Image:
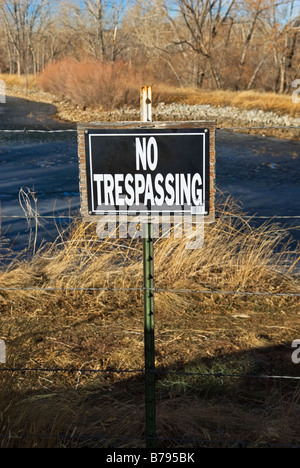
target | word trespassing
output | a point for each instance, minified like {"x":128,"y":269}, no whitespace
{"x":146,"y":189}
{"x":137,"y":189}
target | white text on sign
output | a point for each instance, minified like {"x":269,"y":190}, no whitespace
{"x":148,"y":189}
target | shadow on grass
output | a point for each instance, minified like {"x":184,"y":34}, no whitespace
{"x":240,"y":399}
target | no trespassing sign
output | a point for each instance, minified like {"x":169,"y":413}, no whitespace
{"x":146,"y":170}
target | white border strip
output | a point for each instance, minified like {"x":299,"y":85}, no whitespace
{"x":103,"y":212}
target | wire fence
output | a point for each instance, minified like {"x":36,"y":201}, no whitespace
{"x":73,"y":130}
{"x":156,"y":290}
{"x":86,"y":438}
{"x":144,"y":371}
{"x":77,"y":217}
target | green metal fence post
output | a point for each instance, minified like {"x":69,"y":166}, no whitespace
{"x":148,"y":259}
{"x":149,"y":337}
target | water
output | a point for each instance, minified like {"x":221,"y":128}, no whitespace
{"x":263,"y":174}
{"x":47,"y":165}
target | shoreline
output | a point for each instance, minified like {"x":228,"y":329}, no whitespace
{"x":226,"y":117}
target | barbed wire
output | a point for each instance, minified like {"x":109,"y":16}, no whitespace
{"x":267,"y":217}
{"x":243,"y":293}
{"x":40,"y":217}
{"x":72,"y":370}
{"x":73,"y":130}
{"x":79,"y":216}
{"x":157,"y":290}
{"x":145,"y":371}
{"x":28,"y":131}
{"x":262,"y":127}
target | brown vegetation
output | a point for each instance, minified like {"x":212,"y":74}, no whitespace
{"x":220,"y":44}
{"x":202,"y":333}
{"x":91,"y":55}
{"x":91,"y":83}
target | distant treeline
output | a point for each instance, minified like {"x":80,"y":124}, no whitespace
{"x":216,"y":44}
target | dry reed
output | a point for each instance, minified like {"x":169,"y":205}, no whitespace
{"x":104,"y":330}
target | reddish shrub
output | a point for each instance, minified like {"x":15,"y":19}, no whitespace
{"x":91,"y":83}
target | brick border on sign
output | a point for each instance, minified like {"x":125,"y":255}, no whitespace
{"x":199,"y":124}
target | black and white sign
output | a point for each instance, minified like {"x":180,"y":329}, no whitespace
{"x":147,"y":170}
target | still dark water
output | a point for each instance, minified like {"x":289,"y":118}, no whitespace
{"x":261,"y":173}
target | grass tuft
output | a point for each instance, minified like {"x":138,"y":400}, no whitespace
{"x":223,"y":339}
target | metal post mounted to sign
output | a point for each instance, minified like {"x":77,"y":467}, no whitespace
{"x":146,"y":104}
{"x":148,"y":259}
{"x":153,"y":168}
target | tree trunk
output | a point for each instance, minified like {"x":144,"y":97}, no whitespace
{"x":255,"y":74}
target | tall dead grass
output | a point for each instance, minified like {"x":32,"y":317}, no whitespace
{"x":235,"y":256}
{"x":19,"y":80}
{"x":85,"y":329}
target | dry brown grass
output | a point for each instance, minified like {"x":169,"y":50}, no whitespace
{"x":19,"y":81}
{"x":246,"y":100}
{"x":81,"y":90}
{"x":202,"y":333}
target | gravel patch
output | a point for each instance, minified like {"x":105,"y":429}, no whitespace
{"x":225,"y":117}
{"x":251,"y":117}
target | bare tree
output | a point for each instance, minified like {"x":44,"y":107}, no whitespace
{"x":254,"y":12}
{"x":282,"y":30}
{"x":236,"y":44}
{"x":198,"y":25}
{"x":23,"y":21}
{"x":149,"y":38}
{"x":98,"y":22}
